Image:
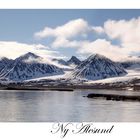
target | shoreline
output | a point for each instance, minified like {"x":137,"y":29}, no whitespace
{"x":70,"y":87}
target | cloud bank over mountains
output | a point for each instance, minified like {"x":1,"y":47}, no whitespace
{"x":125,"y":31}
{"x":116,"y":39}
{"x":13,"y":49}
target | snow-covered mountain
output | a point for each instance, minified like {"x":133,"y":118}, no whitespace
{"x":29,"y":66}
{"x":98,"y":67}
{"x":74,"y":61}
{"x":130,"y":64}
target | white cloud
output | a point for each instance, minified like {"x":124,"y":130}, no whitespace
{"x":100,"y":46}
{"x":65,"y":43}
{"x":64,"y":33}
{"x":103,"y":47}
{"x":68,"y":30}
{"x":98,"y":29}
{"x":106,"y":48}
{"x":13,"y":49}
{"x":128,"y":31}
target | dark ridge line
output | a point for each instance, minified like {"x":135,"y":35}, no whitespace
{"x":36,"y":88}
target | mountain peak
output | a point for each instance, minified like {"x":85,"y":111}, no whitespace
{"x":30,"y":54}
{"x":4,"y":59}
{"x":74,"y":57}
{"x":97,"y":56}
{"x":74,"y":60}
{"x":27,"y":56}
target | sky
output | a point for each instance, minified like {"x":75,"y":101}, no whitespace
{"x":63,"y":33}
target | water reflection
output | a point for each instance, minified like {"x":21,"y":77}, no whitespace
{"x":65,"y":106}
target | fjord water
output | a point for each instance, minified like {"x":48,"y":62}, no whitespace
{"x":52,"y":106}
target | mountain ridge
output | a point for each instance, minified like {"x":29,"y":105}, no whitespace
{"x":94,"y":67}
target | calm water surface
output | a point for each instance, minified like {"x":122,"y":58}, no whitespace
{"x":50,"y":106}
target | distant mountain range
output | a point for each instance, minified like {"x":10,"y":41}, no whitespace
{"x":74,"y":61}
{"x":60,"y":61}
{"x":31,"y":66}
{"x":130,"y":64}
